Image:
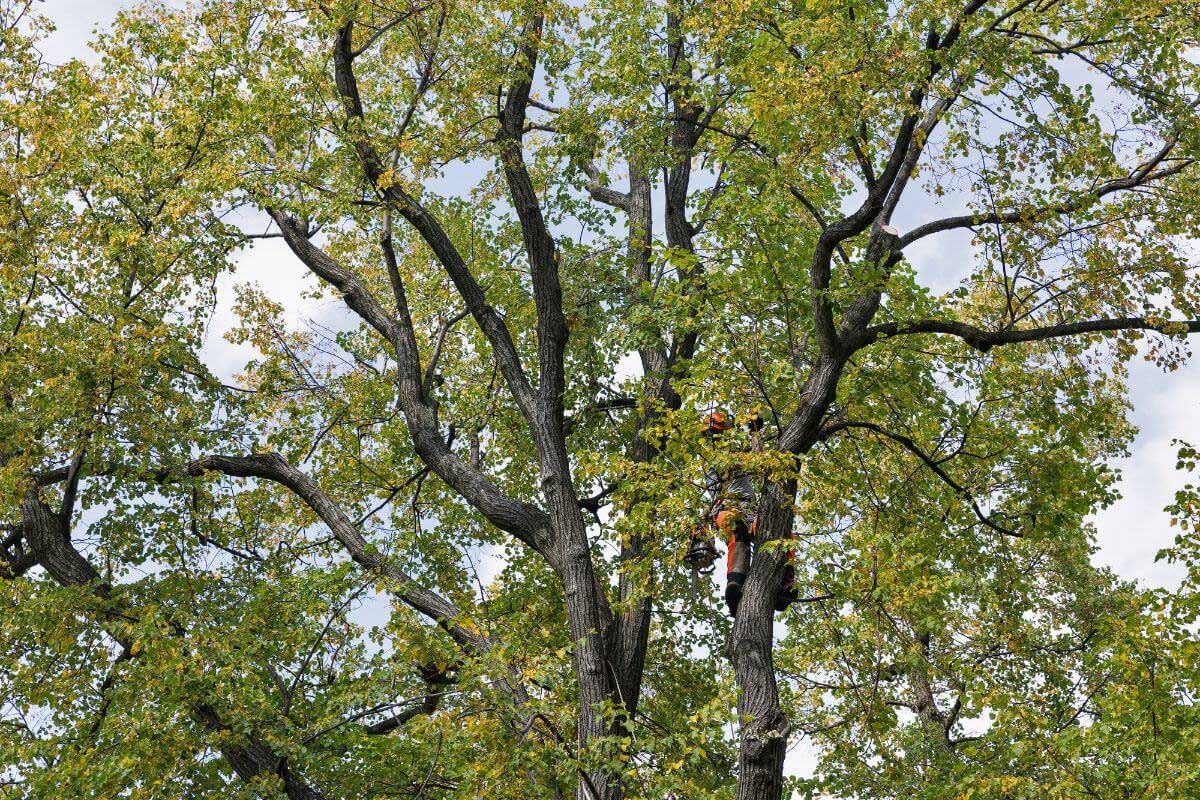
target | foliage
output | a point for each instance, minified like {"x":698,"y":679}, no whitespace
{"x":549,"y":236}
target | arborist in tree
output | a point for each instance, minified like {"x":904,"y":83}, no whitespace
{"x":733,"y":511}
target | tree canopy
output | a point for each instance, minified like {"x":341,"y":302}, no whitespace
{"x":430,"y":544}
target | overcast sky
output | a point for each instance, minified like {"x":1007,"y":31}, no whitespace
{"x":1165,"y":405}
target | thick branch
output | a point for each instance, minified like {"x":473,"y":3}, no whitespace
{"x":885,"y":192}
{"x":523,"y":520}
{"x":539,"y":244}
{"x":984,"y":340}
{"x":599,"y":191}
{"x":273,"y":467}
{"x":426,"y":225}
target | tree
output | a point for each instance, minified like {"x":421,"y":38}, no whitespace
{"x":553,"y":236}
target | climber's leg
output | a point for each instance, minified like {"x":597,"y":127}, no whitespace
{"x":738,"y":536}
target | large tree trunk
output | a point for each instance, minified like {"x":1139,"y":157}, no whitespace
{"x":589,"y":616}
{"x":765,"y":726}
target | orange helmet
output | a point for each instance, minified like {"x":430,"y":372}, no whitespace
{"x":717,"y":422}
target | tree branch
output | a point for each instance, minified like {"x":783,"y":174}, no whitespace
{"x":426,"y":225}
{"x":525,"y":521}
{"x":1140,"y":177}
{"x":539,"y":244}
{"x":601,"y":192}
{"x":929,"y":462}
{"x":984,"y":340}
{"x":273,"y":467}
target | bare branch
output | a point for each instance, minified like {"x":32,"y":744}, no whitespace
{"x":984,"y":340}
{"x":273,"y":467}
{"x":438,"y":342}
{"x":931,"y":463}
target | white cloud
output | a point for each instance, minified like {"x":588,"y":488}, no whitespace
{"x":1135,"y":528}
{"x":76,"y":22}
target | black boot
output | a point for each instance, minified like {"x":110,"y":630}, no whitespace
{"x":733,"y":591}
{"x":787,"y":590}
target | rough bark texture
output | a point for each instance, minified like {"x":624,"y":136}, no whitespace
{"x":765,"y":727}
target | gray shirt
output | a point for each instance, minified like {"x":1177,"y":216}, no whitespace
{"x":732,"y":489}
